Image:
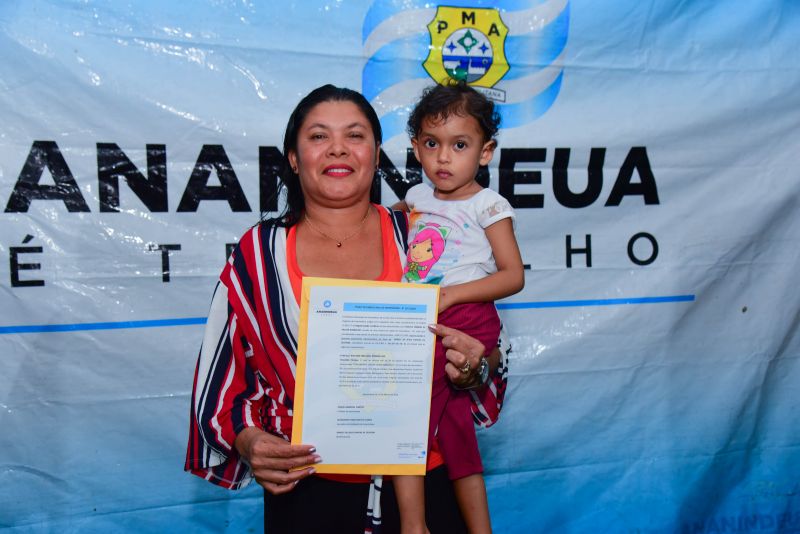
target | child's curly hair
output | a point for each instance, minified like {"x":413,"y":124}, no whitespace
{"x":438,"y":102}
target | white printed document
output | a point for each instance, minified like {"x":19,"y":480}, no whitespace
{"x":364,"y":369}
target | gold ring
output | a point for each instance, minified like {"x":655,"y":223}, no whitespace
{"x":465,"y":369}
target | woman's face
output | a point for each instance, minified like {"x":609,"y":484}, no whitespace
{"x":336,"y":155}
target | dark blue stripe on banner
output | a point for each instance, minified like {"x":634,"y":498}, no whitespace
{"x":39,"y":328}
{"x":593,"y":302}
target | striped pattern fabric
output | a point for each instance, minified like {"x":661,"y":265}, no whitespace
{"x":245,"y":373}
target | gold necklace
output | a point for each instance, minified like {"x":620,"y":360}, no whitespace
{"x":339,"y":241}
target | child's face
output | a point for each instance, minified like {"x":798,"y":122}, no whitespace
{"x":451,"y":151}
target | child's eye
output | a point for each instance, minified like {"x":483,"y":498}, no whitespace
{"x":430,"y":143}
{"x":460,"y":145}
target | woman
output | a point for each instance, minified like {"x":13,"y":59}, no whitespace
{"x":244,"y":382}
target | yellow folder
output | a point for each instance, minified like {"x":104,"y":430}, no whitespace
{"x":417,"y":468}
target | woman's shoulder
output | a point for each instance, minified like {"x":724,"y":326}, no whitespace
{"x":262,"y":236}
{"x":268,"y":224}
{"x":395,"y":217}
{"x":388,"y":211}
{"x":394,"y":222}
{"x":258,"y":228}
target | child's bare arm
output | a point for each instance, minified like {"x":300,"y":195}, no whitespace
{"x":509,"y":278}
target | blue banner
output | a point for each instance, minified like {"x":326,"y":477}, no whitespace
{"x":650,"y":150}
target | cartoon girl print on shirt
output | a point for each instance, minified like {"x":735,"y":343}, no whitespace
{"x":424,"y":251}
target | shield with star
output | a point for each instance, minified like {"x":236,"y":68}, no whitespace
{"x":467,"y":44}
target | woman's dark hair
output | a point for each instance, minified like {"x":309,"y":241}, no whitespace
{"x":295,"y":202}
{"x":438,"y":102}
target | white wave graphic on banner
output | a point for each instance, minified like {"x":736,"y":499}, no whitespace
{"x":531,"y":34}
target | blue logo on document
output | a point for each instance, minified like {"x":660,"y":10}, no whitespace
{"x":327,"y":304}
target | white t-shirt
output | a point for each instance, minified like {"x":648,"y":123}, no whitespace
{"x":447,"y":243}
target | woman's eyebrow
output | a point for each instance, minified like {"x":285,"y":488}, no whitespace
{"x":328,"y":127}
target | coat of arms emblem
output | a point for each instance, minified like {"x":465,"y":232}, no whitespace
{"x":467,"y":44}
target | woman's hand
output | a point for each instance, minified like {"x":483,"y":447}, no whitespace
{"x":271,"y":459}
{"x":463,"y":353}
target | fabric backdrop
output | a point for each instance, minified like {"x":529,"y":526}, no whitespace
{"x":650,"y":149}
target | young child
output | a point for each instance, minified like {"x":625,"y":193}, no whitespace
{"x":461,"y":237}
